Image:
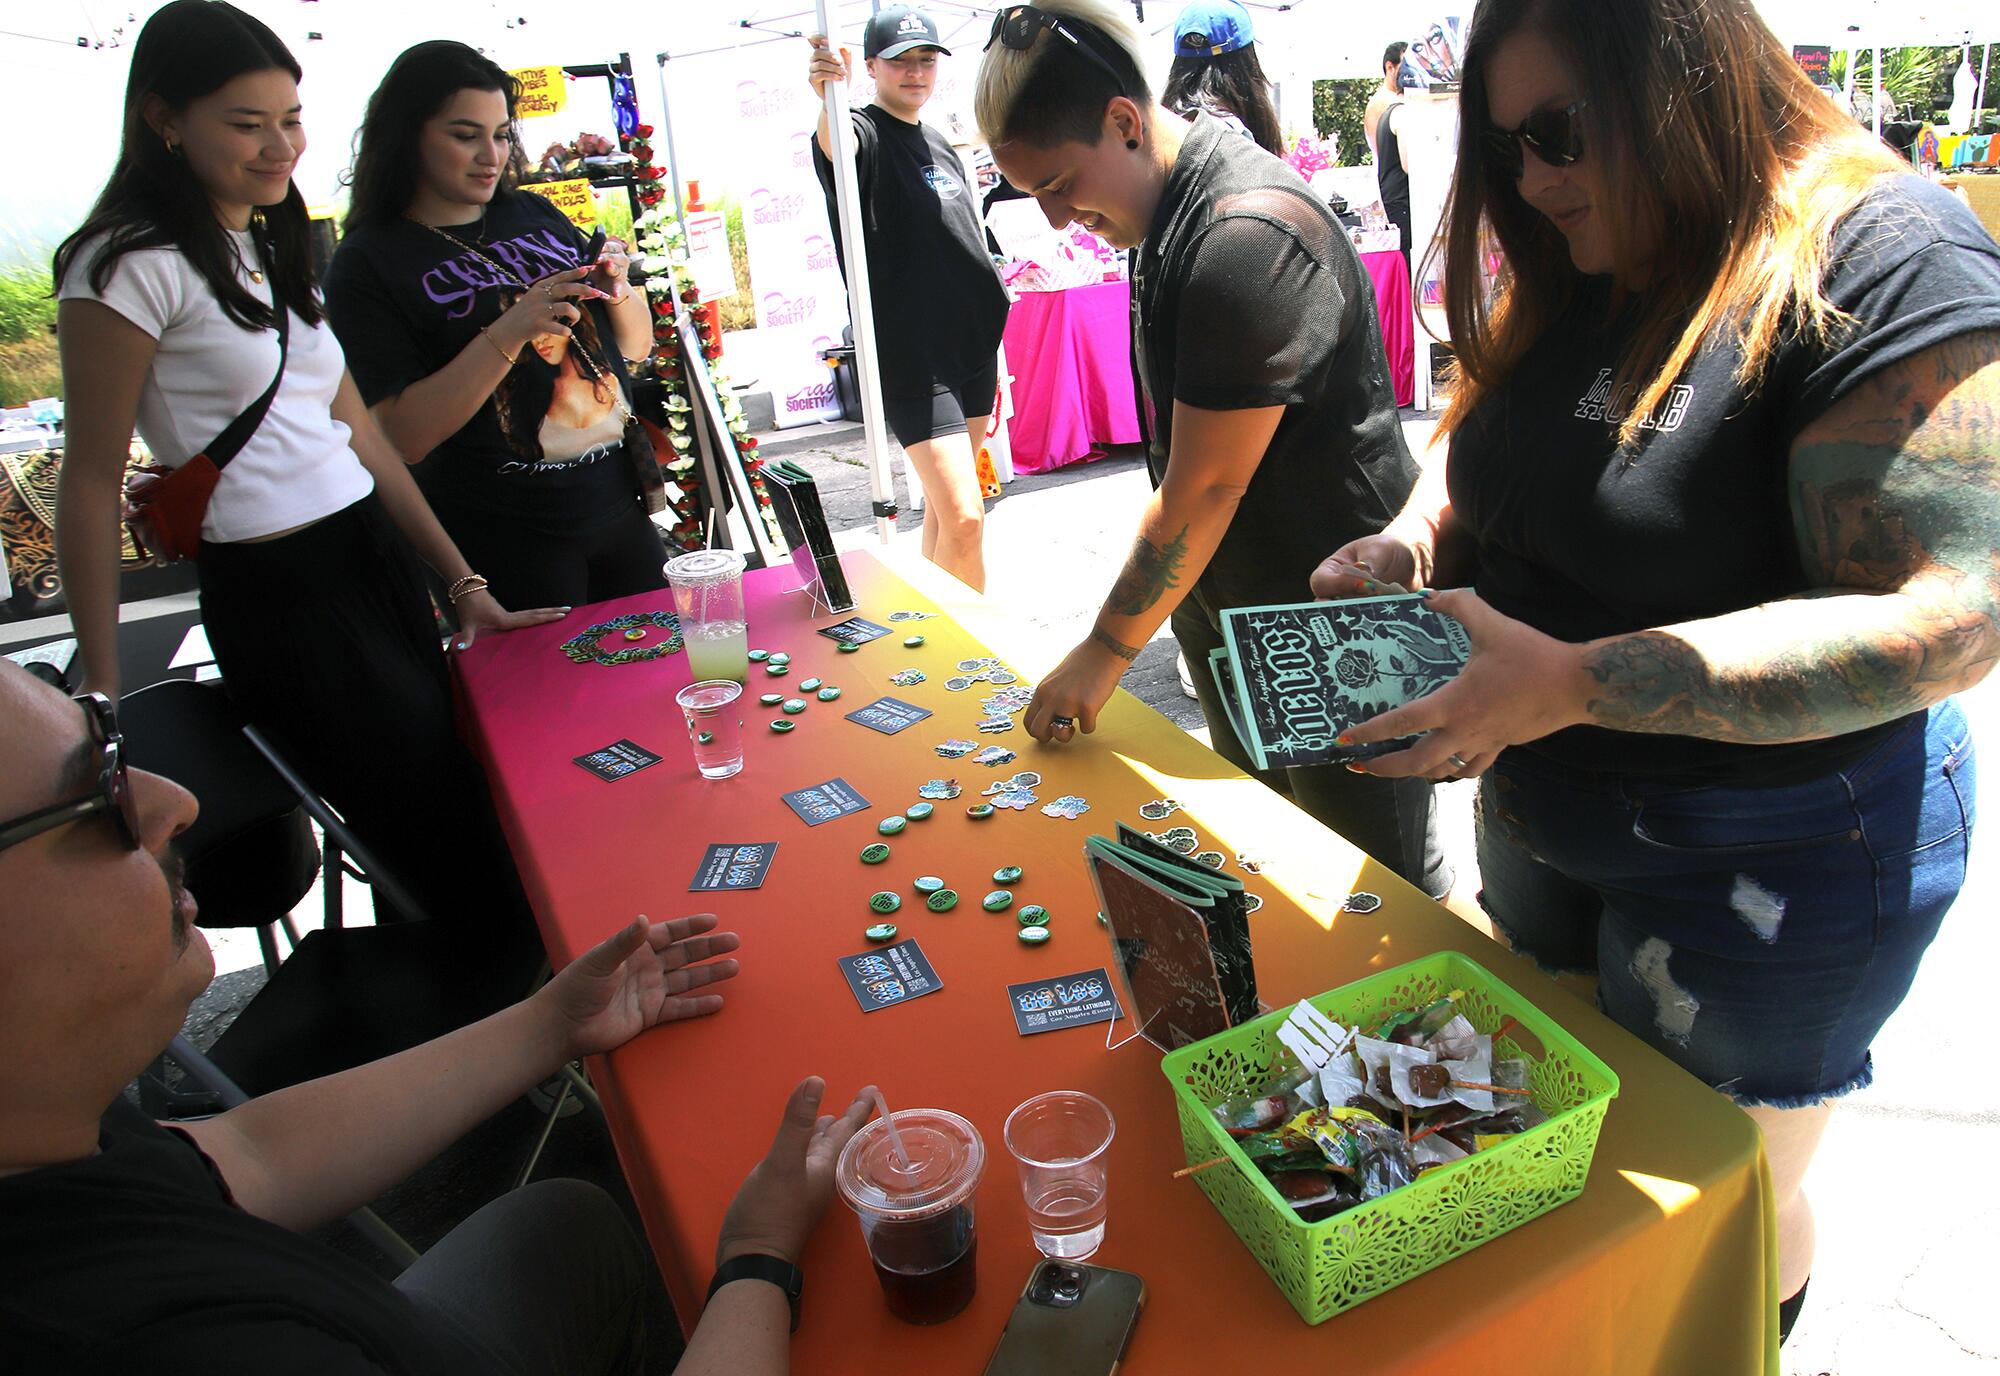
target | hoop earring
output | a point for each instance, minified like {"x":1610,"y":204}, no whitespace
{"x":173,"y":149}
{"x":1132,"y":144}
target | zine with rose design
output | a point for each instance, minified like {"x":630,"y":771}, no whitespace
{"x":1295,"y":677}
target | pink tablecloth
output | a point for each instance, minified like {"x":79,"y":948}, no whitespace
{"x":1070,"y":354}
{"x":1392,"y":303}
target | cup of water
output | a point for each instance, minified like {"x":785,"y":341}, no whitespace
{"x":1059,"y":1142}
{"x":715,"y":726}
{"x":708,"y":598}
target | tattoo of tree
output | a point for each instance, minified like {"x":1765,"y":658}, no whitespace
{"x":1149,"y":571}
{"x":1113,"y":644}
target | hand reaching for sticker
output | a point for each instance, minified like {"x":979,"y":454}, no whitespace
{"x":1070,"y":698}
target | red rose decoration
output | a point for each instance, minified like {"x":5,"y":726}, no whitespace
{"x":642,"y":131}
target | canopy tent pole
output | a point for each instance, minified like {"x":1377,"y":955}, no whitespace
{"x":847,"y":197}
{"x":1876,"y":99}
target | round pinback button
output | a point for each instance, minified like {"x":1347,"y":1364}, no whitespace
{"x":1033,"y":915}
{"x":783,"y":724}
{"x":889,"y":826}
{"x":1032,"y":936}
{"x":828,"y":694}
{"x":943,"y":901}
{"x":885,"y":901}
{"x":874,"y":853}
{"x":919,"y":812}
{"x":776,"y":670}
{"x":780,"y":657}
{"x":881,"y":931}
{"x":998,"y":901}
{"x":807,"y":685}
{"x":771,"y":699}
{"x":911,"y":642}
{"x":847,"y":647}
{"x":794,"y":706}
{"x":757,"y":656}
{"x":1007,"y":874}
{"x":927,"y":883}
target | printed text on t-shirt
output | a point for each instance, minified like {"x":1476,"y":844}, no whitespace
{"x":1600,"y":404}
{"x":456,"y":282}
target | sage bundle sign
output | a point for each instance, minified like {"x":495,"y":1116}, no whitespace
{"x":1295,"y":677}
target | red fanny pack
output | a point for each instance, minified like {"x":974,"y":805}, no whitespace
{"x":165,"y":513}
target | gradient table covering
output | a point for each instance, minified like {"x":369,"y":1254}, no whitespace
{"x":1391,"y":276}
{"x":1071,"y":355}
{"x":1665,"y":1264}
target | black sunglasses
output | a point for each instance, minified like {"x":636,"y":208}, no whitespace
{"x":1554,"y":136}
{"x":1015,"y":27}
{"x":112,"y":794}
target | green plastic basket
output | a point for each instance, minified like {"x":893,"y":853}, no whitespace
{"x":1327,"y":1267}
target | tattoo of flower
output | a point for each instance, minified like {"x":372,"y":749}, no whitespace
{"x":1149,"y":571}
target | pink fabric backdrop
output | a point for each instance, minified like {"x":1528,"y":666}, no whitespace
{"x":1392,"y":303}
{"x":1070,"y":354}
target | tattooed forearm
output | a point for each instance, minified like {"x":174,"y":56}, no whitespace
{"x":1112,"y":643}
{"x":1149,"y":571}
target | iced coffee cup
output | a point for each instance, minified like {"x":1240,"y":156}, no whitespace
{"x":917,"y":1218}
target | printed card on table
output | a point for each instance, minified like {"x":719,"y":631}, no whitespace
{"x":825,"y":802}
{"x":1043,"y":1005}
{"x":617,"y":760}
{"x":889,"y":715}
{"x":889,"y":975}
{"x":734,"y":865}
{"x":856,"y":630}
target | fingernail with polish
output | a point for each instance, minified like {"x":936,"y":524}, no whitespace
{"x":1342,"y":741}
{"x":1356,"y":769}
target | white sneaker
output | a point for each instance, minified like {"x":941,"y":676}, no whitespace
{"x":1187,"y":679}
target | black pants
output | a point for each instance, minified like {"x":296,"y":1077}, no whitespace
{"x":525,"y":568}
{"x":1393,"y":820}
{"x":548,"y":1275}
{"x":327,"y":642}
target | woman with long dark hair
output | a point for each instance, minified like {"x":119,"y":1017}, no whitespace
{"x":485,"y":345}
{"x":1721,"y":482}
{"x":1216,"y":71}
{"x":310,"y":592}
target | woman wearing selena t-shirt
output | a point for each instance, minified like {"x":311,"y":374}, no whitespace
{"x":310,"y":593}
{"x":486,"y":348}
{"x":1722,"y":460}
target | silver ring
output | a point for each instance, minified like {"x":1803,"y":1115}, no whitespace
{"x":1458,"y":761}
{"x":1062,"y":721}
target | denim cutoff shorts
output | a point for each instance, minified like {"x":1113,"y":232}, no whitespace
{"x":1759,"y":937}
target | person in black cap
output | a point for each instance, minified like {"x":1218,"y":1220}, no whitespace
{"x":925,"y":245}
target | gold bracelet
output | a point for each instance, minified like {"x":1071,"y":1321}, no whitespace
{"x":496,"y":346}
{"x":465,"y":587}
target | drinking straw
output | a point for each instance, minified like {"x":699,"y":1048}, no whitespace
{"x":708,"y":541}
{"x":895,"y":1138}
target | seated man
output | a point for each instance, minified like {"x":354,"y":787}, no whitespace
{"x":126,"y":1246}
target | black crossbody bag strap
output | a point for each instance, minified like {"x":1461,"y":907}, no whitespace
{"x":231,"y":441}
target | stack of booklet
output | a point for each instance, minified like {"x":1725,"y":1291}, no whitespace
{"x":1294,"y":678}
{"x":795,"y":499}
{"x":1180,"y":938}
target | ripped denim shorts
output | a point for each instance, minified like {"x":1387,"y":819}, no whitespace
{"x":1759,"y":937}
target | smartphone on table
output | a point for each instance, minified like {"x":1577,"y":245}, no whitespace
{"x":1071,"y":1320}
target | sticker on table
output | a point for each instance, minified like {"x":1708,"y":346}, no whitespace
{"x":618,"y":760}
{"x":890,"y":974}
{"x":911,"y":616}
{"x":856,"y":630}
{"x":993,"y":756}
{"x":889,"y":715}
{"x":1069,"y":806}
{"x":955,"y":749}
{"x":734,"y":865}
{"x":824,"y":802}
{"x":1043,"y":1005}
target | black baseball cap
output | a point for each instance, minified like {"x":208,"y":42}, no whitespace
{"x":896,"y":30}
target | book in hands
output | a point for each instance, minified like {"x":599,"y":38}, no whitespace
{"x":1294,"y":678}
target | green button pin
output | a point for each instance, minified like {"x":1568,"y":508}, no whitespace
{"x":757,"y":656}
{"x":829,"y":694}
{"x":889,"y":826}
{"x":885,"y":901}
{"x":776,"y":670}
{"x":998,"y":901}
{"x":918,"y":812}
{"x":943,"y":901}
{"x":848,"y":647}
{"x":794,"y":706}
{"x":874,"y":853}
{"x":783,"y":724}
{"x":881,"y":931}
{"x":771,"y":699}
{"x":1034,"y":915}
{"x":1032,"y":936}
{"x":927,"y":883}
{"x":911,"y":642}
{"x":807,"y":685}
{"x":780,"y":657}
{"x":1007,"y":874}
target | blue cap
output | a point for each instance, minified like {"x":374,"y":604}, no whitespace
{"x":1210,"y":28}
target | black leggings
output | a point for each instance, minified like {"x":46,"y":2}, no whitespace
{"x":526,"y":569}
{"x":327,"y":642}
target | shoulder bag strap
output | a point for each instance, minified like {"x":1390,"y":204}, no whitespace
{"x":230,"y":442}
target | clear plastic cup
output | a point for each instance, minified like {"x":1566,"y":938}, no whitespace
{"x":918,"y":1222}
{"x":1060,"y":1142}
{"x":714,"y":718}
{"x":708,"y":598}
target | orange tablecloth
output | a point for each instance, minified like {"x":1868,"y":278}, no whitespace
{"x":1665,"y":1263}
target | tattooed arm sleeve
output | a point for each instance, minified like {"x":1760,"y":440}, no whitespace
{"x":1896,"y":509}
{"x":1215,"y":454}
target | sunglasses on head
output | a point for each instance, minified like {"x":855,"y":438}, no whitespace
{"x":1015,"y":27}
{"x":112,"y":794}
{"x":1554,"y":136}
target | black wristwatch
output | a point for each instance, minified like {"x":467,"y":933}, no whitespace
{"x":762,"y":1266}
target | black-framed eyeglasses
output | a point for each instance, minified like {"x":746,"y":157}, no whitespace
{"x":1554,"y":136}
{"x":113,"y":791}
{"x":1015,"y":27}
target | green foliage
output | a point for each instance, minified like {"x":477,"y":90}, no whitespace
{"x":738,"y":312}
{"x":26,"y":307}
{"x":1337,"y":110}
{"x":1916,"y":77}
{"x":29,"y":370}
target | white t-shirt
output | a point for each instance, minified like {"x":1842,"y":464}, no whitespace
{"x":298,"y":467}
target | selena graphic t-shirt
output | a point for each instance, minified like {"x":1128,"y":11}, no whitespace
{"x":544,"y":451}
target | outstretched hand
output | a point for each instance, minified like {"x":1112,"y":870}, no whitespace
{"x":1517,"y":685}
{"x":480,"y":613}
{"x":642,"y":976}
{"x":781,"y":1200}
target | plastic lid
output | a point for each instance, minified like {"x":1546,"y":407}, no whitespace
{"x":946,"y":1160}
{"x":706,"y":566}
